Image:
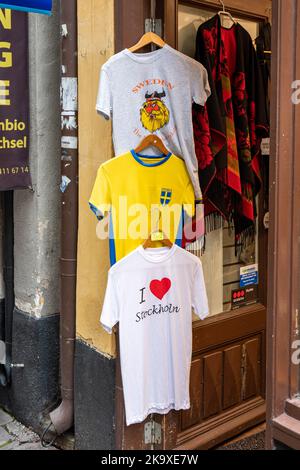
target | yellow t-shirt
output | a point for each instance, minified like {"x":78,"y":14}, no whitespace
{"x":142,"y":194}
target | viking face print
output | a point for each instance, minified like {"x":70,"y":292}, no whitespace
{"x":154,"y":113}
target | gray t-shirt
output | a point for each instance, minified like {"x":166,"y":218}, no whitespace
{"x":153,"y":93}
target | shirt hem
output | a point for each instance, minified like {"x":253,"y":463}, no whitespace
{"x":161,"y":409}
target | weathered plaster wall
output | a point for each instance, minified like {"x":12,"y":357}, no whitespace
{"x":96,"y":45}
{"x":37,"y":213}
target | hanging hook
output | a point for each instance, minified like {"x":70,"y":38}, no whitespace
{"x":223,"y":5}
{"x":153,"y":9}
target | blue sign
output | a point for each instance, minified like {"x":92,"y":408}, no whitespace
{"x":35,"y":6}
{"x":249,"y":275}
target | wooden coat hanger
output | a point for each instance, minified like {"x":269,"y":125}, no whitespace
{"x":152,"y":141}
{"x":153,"y":239}
{"x":146,"y":39}
{"x":157,"y":236}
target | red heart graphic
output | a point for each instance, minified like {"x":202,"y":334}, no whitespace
{"x":160,"y":288}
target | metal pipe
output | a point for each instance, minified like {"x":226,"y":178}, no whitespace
{"x":8,"y":273}
{"x":152,"y":18}
{"x":62,"y":417}
{"x":153,"y":9}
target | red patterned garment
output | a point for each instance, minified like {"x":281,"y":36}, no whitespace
{"x":229,"y":129}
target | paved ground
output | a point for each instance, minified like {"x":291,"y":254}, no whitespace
{"x":256,"y":442}
{"x":15,"y":436}
{"x":254,"y":439}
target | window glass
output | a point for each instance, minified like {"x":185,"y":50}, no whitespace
{"x":221,"y":263}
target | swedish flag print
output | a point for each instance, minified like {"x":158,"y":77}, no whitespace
{"x":165,"y":196}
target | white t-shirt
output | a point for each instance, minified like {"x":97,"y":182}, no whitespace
{"x":153,"y":93}
{"x":151,"y":294}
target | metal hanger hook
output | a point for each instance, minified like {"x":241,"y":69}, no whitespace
{"x":223,"y":5}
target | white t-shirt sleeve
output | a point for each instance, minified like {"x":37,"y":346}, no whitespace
{"x":201,"y":88}
{"x":104,"y":98}
{"x":199,"y":298}
{"x":110,"y":311}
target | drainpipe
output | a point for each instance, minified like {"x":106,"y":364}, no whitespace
{"x":8,"y":273}
{"x":62,"y":418}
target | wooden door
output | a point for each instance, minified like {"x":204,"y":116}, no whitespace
{"x":227,"y":382}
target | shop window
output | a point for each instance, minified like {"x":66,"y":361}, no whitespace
{"x":222,"y":258}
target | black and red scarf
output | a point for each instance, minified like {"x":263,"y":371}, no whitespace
{"x":229,"y":129}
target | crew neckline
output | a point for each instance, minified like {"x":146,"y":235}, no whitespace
{"x":138,"y":157}
{"x":166,"y":253}
{"x":146,"y":57}
{"x":223,"y":28}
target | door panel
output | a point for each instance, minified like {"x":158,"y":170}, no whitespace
{"x":251,"y":370}
{"x":232,"y":376}
{"x":212,"y":395}
{"x":193,"y":415}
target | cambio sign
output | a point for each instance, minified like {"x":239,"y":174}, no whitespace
{"x":36,"y":6}
{"x":14,"y":100}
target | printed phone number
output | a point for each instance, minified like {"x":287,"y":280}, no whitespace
{"x":14,"y":170}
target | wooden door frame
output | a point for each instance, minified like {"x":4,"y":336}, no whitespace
{"x":283,"y":409}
